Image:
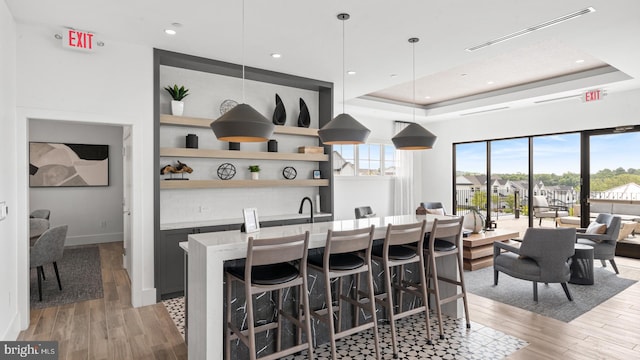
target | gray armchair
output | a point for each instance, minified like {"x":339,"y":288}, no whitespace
{"x":48,"y":249}
{"x":542,"y":210}
{"x":433,"y":205}
{"x":604,"y":245}
{"x":40,"y":214}
{"x":542,"y":257}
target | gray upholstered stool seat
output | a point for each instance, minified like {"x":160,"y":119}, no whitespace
{"x":268,"y":274}
{"x":396,"y":252}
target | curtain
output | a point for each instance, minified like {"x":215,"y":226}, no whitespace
{"x":403,"y":185}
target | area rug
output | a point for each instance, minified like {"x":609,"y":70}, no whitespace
{"x":80,"y":275}
{"x":552,"y":301}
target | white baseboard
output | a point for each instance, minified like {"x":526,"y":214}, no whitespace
{"x":93,"y":239}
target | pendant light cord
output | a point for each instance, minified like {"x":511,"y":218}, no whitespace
{"x":343,"y":69}
{"x":413,"y":44}
{"x":242,"y":32}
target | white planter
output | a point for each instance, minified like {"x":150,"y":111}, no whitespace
{"x":177,"y":107}
{"x":255,"y":175}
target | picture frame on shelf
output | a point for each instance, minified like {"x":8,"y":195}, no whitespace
{"x":251,"y":223}
{"x":317,"y":174}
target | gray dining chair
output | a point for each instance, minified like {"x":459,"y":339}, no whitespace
{"x":40,"y":214}
{"x":542,"y":257}
{"x":48,"y":249}
{"x":364,"y":212}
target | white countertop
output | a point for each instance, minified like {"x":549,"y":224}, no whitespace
{"x":216,"y":222}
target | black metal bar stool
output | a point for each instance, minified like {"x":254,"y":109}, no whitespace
{"x":271,"y":266}
{"x":347,"y":253}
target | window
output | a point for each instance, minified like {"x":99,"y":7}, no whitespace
{"x":364,"y":160}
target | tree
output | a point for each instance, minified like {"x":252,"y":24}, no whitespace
{"x":479,"y":199}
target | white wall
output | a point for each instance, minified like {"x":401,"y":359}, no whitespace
{"x":617,"y":109}
{"x":94,"y":214}
{"x":112,"y":86}
{"x":9,"y":319}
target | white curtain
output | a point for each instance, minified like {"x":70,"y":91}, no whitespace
{"x":403,"y":192}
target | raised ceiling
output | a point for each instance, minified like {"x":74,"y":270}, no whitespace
{"x":309,"y":37}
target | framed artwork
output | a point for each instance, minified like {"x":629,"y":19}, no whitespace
{"x":68,"y":165}
{"x":316,"y":174}
{"x":251,"y":223}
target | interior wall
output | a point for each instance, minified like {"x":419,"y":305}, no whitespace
{"x":113,"y":86}
{"x":617,"y":109}
{"x":93,"y":214}
{"x":9,"y":319}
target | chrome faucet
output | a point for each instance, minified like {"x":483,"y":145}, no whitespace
{"x":310,"y":204}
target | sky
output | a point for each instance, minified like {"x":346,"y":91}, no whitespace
{"x":555,"y":154}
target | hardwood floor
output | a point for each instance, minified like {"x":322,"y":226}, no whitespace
{"x":110,"y":328}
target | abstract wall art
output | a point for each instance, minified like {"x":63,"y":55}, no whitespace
{"x":68,"y":165}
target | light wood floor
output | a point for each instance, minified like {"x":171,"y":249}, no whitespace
{"x":110,"y":328}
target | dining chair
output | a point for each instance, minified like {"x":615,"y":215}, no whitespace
{"x":40,"y":214}
{"x":48,"y":249}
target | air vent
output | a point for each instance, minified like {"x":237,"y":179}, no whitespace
{"x":556,"y":99}
{"x":533,"y":28}
{"x":484,"y":111}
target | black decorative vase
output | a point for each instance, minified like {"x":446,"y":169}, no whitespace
{"x":272,"y":146}
{"x":279,"y":114}
{"x":234,"y":146}
{"x":304,"y":119}
{"x":192,"y":141}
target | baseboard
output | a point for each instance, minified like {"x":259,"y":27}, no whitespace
{"x":93,"y":239}
{"x":13,"y":330}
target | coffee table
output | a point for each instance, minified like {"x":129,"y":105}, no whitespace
{"x":477,"y":249}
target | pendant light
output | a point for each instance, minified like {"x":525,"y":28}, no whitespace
{"x":414,"y":136}
{"x":343,"y":129}
{"x":242,"y":123}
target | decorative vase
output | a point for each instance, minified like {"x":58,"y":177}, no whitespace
{"x":192,"y":141}
{"x":279,"y":114}
{"x":234,"y":146}
{"x":177,"y":107}
{"x":255,"y":175}
{"x":304,"y":119}
{"x":272,"y":146}
{"x":473,"y":221}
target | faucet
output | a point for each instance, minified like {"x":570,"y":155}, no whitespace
{"x":310,"y":205}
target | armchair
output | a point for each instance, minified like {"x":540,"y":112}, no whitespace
{"x":604,"y":245}
{"x":364,"y":212}
{"x":542,"y":210}
{"x":434,"y":206}
{"x":542,"y":257}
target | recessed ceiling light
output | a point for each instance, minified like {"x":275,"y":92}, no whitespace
{"x":351,"y":72}
{"x":579,"y":61}
{"x":490,"y":82}
{"x":427,"y":97}
{"x":276,"y":55}
{"x":463,"y":74}
{"x":394,"y":75}
{"x":176,"y":24}
{"x":169,"y":31}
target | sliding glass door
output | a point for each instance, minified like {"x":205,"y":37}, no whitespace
{"x":470,"y":177}
{"x":509,"y":179}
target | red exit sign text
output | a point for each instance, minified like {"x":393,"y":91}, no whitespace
{"x":593,"y":95}
{"x":79,"y":40}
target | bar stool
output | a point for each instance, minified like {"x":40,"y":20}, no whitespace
{"x":445,"y":240}
{"x":398,"y":250}
{"x":269,"y":267}
{"x":347,"y":253}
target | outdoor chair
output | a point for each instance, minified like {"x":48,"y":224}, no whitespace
{"x":542,"y":257}
{"x":604,"y":243}
{"x":542,"y":210}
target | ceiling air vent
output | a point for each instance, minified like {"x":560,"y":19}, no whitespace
{"x":533,"y":28}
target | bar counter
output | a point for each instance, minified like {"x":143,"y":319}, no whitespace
{"x":208,"y":252}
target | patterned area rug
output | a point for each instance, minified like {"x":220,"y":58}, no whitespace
{"x":479,"y":342}
{"x":552,"y":301}
{"x":80,"y":275}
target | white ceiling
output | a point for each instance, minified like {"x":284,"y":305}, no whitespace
{"x":309,"y":37}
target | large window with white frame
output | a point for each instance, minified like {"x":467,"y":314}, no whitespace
{"x":374,"y":159}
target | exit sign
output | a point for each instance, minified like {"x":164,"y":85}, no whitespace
{"x":593,"y":95}
{"x":78,"y":40}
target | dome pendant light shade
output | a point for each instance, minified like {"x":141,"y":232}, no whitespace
{"x":343,"y":129}
{"x":414,"y":137}
{"x":243,"y":124}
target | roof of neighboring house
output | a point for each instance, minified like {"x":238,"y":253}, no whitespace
{"x":630,"y":188}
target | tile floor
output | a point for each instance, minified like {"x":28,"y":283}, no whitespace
{"x":480,"y":342}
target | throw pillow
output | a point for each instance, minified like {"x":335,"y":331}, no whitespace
{"x":596,"y":228}
{"x":438,"y":211}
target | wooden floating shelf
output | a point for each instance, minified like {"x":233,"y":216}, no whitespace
{"x":214,"y":184}
{"x":204,"y":123}
{"x":231,"y":154}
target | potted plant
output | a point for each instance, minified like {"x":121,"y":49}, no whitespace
{"x":255,"y":171}
{"x":177,"y":94}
